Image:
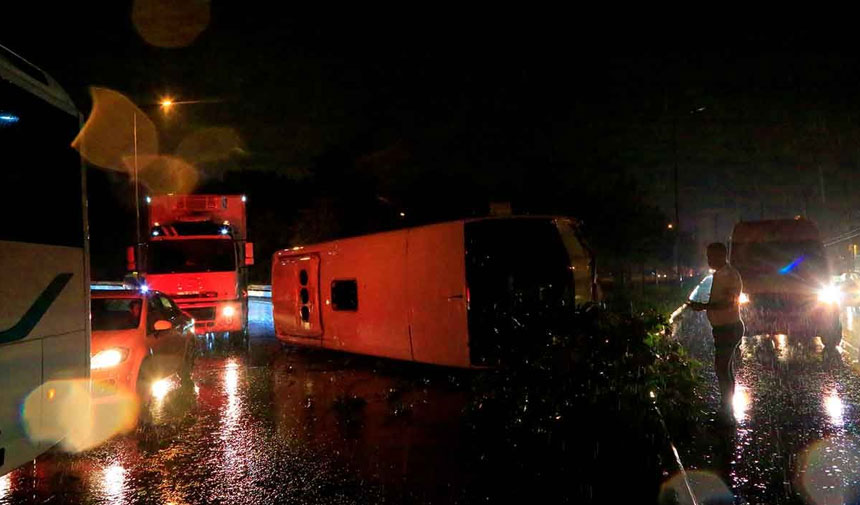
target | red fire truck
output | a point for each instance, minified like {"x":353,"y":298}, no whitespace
{"x":445,"y":294}
{"x":196,"y":253}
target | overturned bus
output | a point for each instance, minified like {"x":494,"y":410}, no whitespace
{"x":446,"y":294}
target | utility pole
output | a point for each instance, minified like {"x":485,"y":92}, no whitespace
{"x":676,"y":246}
{"x":136,"y":186}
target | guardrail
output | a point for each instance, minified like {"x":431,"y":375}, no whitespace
{"x":254,"y":290}
{"x":259,"y":291}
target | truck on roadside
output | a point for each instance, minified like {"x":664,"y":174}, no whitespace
{"x":787,"y":286}
{"x":196,"y":252}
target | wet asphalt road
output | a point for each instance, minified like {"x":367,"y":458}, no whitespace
{"x":797,"y":411}
{"x":267,"y":424}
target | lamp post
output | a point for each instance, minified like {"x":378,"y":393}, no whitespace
{"x":165,"y":104}
{"x":677,"y":244}
{"x":136,"y":187}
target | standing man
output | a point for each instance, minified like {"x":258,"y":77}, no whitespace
{"x":724,"y":315}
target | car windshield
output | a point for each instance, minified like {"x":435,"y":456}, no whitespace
{"x":184,"y":256}
{"x":115,"y":313}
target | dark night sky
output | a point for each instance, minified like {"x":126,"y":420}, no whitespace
{"x":506,"y":100}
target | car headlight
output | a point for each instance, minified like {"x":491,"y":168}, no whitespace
{"x":829,"y":294}
{"x":743,"y":298}
{"x":228,"y":311}
{"x":108,"y":358}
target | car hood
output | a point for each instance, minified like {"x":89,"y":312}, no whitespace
{"x":105,"y":339}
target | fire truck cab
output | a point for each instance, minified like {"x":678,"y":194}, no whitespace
{"x":196,"y":253}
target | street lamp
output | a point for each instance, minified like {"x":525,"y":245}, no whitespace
{"x":165,"y":103}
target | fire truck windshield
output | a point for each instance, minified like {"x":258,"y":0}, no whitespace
{"x":187,"y":256}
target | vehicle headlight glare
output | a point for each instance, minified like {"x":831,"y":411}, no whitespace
{"x":108,"y":358}
{"x":228,"y":311}
{"x":743,"y":298}
{"x":829,"y":294}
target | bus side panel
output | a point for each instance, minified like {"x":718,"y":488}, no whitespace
{"x":380,"y":323}
{"x":60,"y":273}
{"x":64,"y":380}
{"x":294,"y":301}
{"x":43,"y":313}
{"x":20,"y":374}
{"x":437,"y":294}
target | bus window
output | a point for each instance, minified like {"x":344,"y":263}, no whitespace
{"x":344,"y":295}
{"x":40,"y":171}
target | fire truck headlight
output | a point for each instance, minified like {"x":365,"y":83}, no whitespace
{"x":228,"y":311}
{"x":743,"y":298}
{"x":829,"y":294}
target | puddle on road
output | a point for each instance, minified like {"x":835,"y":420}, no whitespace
{"x":795,"y":437}
{"x":271,"y":425}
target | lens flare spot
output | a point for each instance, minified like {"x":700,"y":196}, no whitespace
{"x":107,"y":139}
{"x":705,"y":486}
{"x":209,"y":145}
{"x":166,"y":174}
{"x":79,"y":417}
{"x":170,"y":23}
{"x":825,"y":470}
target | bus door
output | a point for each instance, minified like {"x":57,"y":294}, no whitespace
{"x":436,"y":277}
{"x":295,"y":301}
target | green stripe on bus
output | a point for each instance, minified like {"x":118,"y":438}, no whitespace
{"x":34,"y":314}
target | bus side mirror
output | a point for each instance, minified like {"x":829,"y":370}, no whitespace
{"x":162,"y":325}
{"x":130,"y":263}
{"x":249,"y":253}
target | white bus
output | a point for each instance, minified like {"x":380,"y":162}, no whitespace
{"x":44,"y":259}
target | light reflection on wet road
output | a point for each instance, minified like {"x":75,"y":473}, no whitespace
{"x":266,"y":424}
{"x":797,"y":410}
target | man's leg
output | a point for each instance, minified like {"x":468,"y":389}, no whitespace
{"x":726,"y":341}
{"x":723,"y":352}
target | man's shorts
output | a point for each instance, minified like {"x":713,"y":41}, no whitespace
{"x":726,"y":337}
